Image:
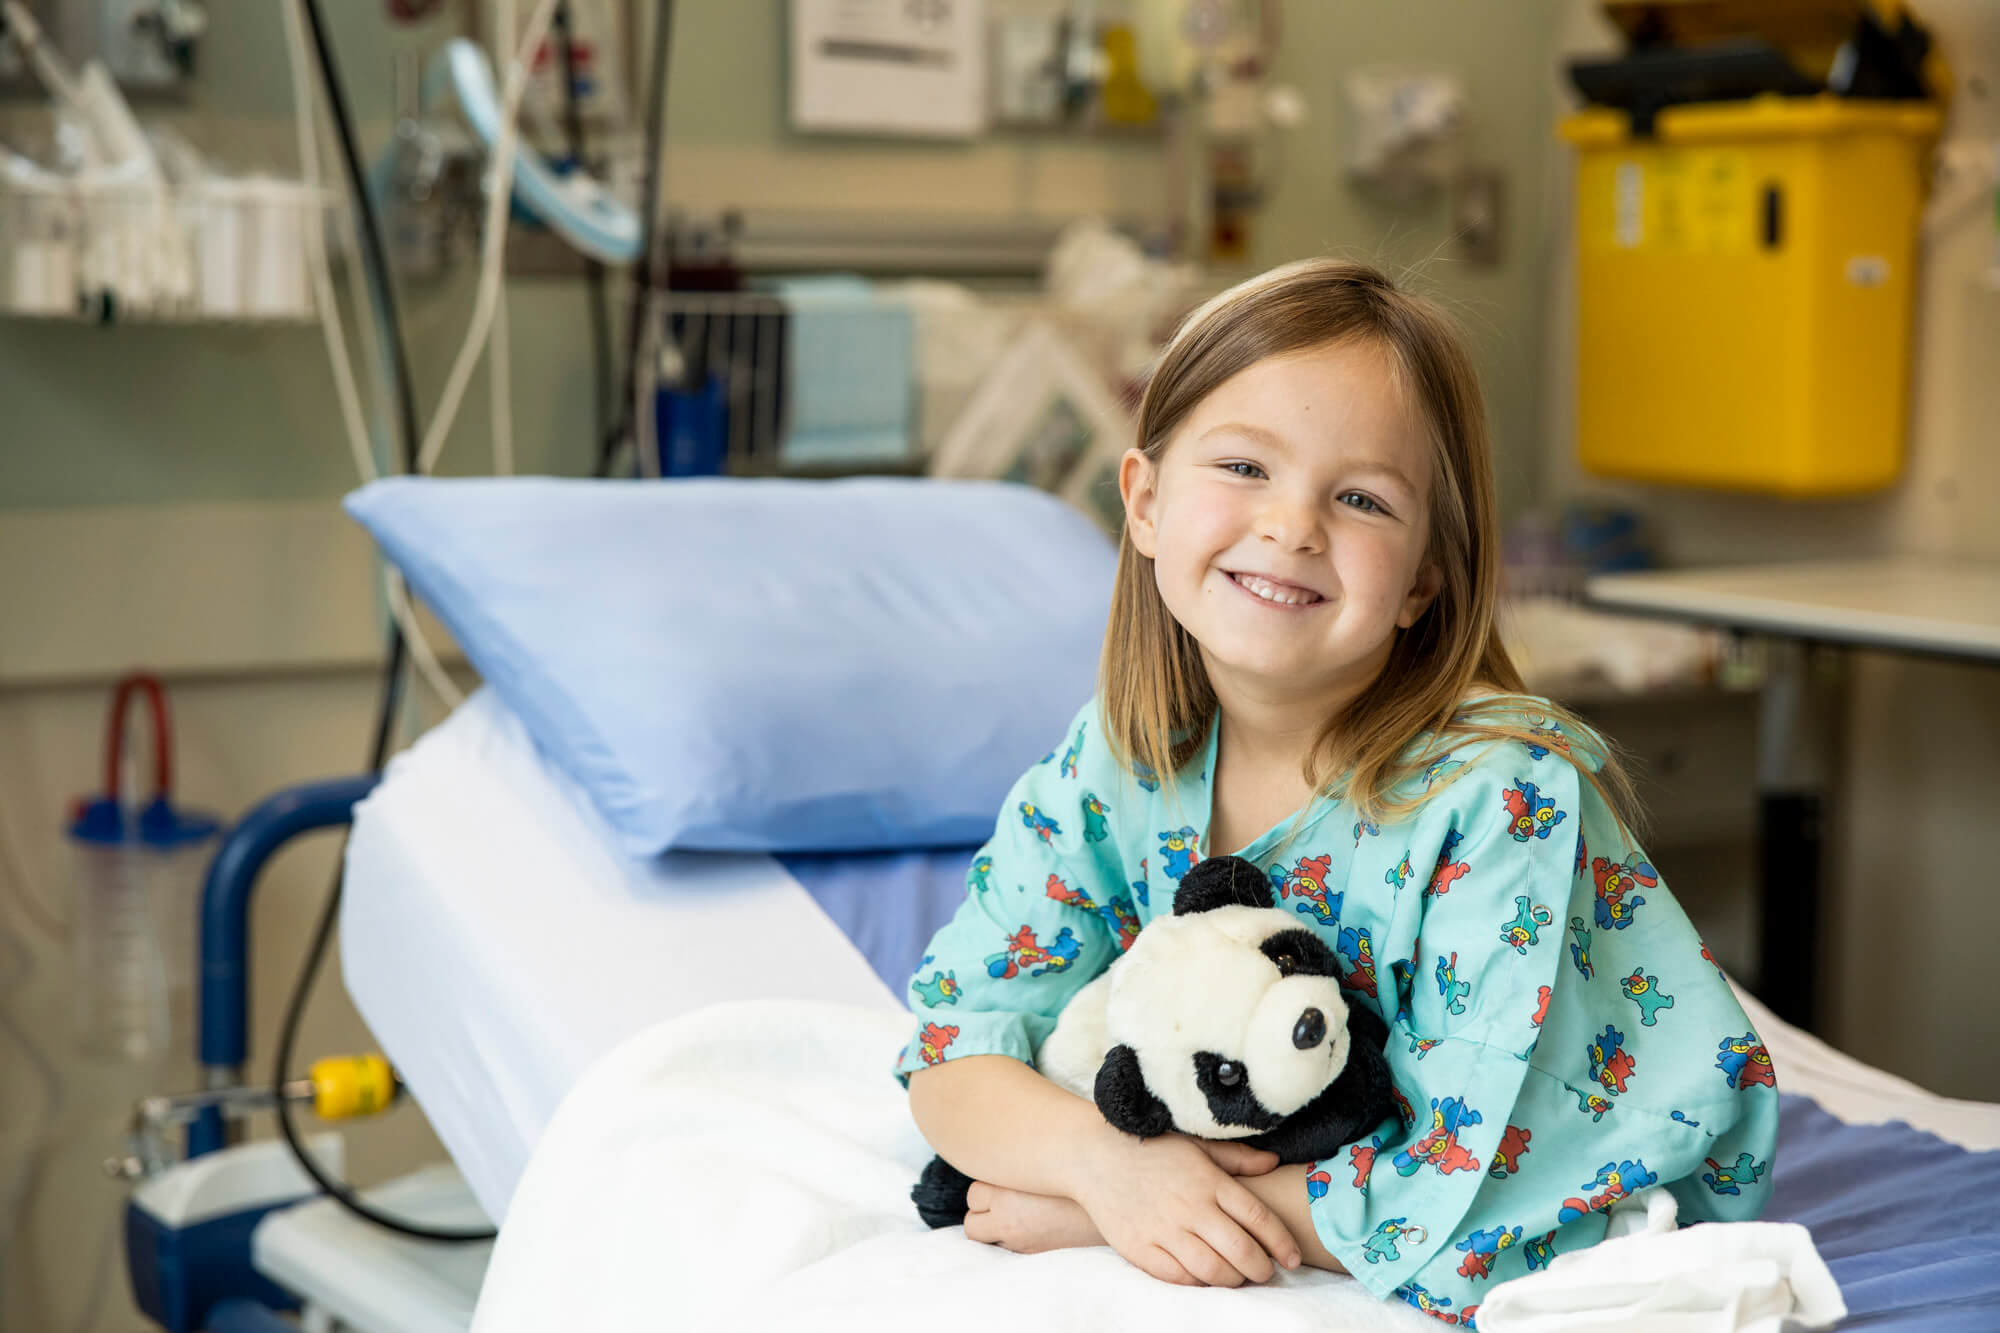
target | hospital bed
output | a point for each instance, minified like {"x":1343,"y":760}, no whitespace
{"x":497,"y":943}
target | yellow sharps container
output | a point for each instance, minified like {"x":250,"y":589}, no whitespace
{"x":1745,"y":279}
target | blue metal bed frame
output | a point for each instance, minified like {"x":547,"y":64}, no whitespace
{"x":225,"y":926}
{"x":200,"y":1276}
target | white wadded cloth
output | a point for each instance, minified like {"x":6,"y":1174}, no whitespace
{"x":748,"y":1166}
{"x":1719,"y":1277}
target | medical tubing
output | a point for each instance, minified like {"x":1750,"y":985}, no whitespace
{"x":493,"y":240}
{"x":593,"y":270}
{"x":345,"y":389}
{"x":421,"y":652}
{"x":392,"y":666}
{"x":114,"y":730}
{"x":392,"y":676}
{"x":649,"y":222}
{"x":500,"y":342}
{"x":371,"y":235}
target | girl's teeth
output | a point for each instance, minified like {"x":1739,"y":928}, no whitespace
{"x":1273,"y":592}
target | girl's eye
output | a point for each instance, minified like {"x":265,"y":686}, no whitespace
{"x":1254,"y":470}
{"x":1367,"y":503}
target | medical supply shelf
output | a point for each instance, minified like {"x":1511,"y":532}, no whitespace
{"x":123,"y":249}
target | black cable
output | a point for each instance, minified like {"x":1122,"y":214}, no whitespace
{"x":649,"y":221}
{"x":383,"y":288}
{"x":371,"y":236}
{"x":593,"y":271}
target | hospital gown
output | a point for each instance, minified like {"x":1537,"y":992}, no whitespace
{"x":1558,"y":1034}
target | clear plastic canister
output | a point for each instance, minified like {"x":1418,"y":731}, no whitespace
{"x":138,"y":883}
{"x":135,"y":941}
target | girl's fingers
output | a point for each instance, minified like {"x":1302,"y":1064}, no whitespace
{"x":1238,"y":1250}
{"x":1203,"y":1263}
{"x":1156,"y":1261}
{"x":1265,"y":1227}
{"x":1238,"y":1159}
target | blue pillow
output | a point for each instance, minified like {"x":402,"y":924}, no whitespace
{"x":767,"y":665}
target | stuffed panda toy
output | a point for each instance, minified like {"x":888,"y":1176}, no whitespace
{"x":1222,"y":1021}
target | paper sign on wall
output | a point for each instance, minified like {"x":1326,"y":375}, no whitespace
{"x":899,"y":67}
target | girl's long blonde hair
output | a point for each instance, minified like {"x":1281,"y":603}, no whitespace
{"x":1155,"y":693}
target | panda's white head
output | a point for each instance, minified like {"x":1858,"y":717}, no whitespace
{"x":1226,"y":1018}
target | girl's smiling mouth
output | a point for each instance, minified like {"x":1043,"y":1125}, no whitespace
{"x":1274,"y":592}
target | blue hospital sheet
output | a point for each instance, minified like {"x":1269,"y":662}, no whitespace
{"x":922,"y":889}
{"x":1908,"y":1224}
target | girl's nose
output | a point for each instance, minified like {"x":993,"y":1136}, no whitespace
{"x":1290,"y":525}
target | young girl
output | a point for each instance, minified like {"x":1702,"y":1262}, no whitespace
{"x":1302,"y":668}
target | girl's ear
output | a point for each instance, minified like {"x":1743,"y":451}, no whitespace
{"x":1430,"y":581}
{"x":1138,"y":483}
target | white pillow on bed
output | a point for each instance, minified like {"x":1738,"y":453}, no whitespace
{"x":767,"y":665}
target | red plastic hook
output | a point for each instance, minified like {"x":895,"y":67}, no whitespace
{"x":163,"y":747}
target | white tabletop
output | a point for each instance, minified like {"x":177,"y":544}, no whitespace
{"x":1912,"y":603}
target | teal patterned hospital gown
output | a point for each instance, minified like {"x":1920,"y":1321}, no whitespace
{"x":1559,"y":1035}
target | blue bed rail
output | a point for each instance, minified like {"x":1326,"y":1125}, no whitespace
{"x":225,"y":926}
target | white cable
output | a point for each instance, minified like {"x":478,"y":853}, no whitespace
{"x":421,"y":653}
{"x":645,"y":390}
{"x":500,"y":383}
{"x":494,"y":240}
{"x":322,"y":278}
{"x":359,"y":439}
{"x":499,"y":354}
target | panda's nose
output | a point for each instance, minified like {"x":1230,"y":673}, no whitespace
{"x":1311,"y":1030}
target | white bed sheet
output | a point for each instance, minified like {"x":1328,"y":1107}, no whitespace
{"x":497,"y":942}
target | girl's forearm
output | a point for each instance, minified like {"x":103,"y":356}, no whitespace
{"x":998,"y":1120}
{"x":1284,"y":1193}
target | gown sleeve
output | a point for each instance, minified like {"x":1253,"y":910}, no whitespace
{"x":1543,"y":1071}
{"x":1042,"y":917}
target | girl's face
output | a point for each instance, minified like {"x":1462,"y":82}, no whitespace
{"x":1288,"y":519}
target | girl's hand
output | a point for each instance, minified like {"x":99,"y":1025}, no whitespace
{"x":1172,"y":1211}
{"x":1236,"y":1159}
{"x":1026,"y":1223}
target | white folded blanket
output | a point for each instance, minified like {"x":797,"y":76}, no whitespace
{"x":748,"y":1165}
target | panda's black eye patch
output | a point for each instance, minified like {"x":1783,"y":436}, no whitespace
{"x":1299,"y":952}
{"x":1226,"y":1085}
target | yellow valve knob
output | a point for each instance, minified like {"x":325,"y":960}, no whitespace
{"x":352,"y":1085}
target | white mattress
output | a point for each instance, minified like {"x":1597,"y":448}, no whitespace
{"x":497,"y":943}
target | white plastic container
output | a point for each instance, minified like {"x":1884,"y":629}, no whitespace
{"x":249,"y":238}
{"x":38,"y":243}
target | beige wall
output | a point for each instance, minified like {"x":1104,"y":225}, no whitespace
{"x":1908,"y":841}
{"x":1500,"y":53}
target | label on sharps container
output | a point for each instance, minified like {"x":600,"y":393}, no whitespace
{"x":1629,"y":206}
{"x":1675,"y":202}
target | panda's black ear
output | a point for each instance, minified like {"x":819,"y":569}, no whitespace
{"x":1221,"y":881}
{"x":1124,"y":1098}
